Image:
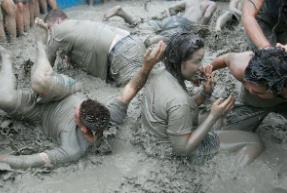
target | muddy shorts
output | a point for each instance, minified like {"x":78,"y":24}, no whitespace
{"x":118,"y":112}
{"x":125,"y":60}
{"x":248,"y":118}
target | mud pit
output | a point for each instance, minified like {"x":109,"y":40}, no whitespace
{"x":121,"y":163}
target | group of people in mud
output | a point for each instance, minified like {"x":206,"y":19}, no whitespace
{"x":17,"y":16}
{"x":168,"y":111}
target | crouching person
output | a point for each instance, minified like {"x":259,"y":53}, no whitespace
{"x":66,"y":115}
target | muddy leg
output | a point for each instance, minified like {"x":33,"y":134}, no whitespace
{"x":7,"y":81}
{"x":2,"y":31}
{"x":26,"y":17}
{"x":36,"y":8}
{"x":47,"y":83}
{"x":222,"y":20}
{"x":32,"y":12}
{"x":43,"y":6}
{"x":247,"y":145}
{"x":10,"y":19}
{"x":53,"y":4}
{"x":20,"y":18}
{"x":118,"y":11}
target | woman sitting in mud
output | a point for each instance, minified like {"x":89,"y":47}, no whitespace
{"x":72,"y":120}
{"x":168,"y":110}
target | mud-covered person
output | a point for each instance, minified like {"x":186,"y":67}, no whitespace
{"x":109,"y":53}
{"x":233,"y":14}
{"x":7,"y":21}
{"x":182,"y":16}
{"x":168,"y":111}
{"x":70,"y":119}
{"x":265,"y":22}
{"x":263,"y":80}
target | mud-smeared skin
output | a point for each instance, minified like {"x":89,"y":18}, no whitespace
{"x":129,"y":168}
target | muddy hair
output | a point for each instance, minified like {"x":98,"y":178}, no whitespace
{"x":268,"y":67}
{"x":180,"y":48}
{"x":94,"y":116}
{"x":53,"y":15}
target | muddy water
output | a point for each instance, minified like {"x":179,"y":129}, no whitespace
{"x":121,"y":163}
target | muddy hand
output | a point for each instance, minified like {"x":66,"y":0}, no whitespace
{"x":220,"y":107}
{"x":207,"y":70}
{"x":278,"y":45}
{"x":39,"y":22}
{"x":209,"y":84}
{"x":153,"y":55}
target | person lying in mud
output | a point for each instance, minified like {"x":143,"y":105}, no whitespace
{"x":230,"y":16}
{"x":72,"y":120}
{"x":184,"y":16}
{"x":168,"y":111}
{"x":265,"y":22}
{"x":263,"y":77}
{"x":109,"y":53}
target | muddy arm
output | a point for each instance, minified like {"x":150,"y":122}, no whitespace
{"x":152,"y":57}
{"x":67,"y":152}
{"x":250,"y":10}
{"x":220,"y":62}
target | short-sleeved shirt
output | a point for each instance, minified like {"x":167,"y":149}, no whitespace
{"x":167,"y":108}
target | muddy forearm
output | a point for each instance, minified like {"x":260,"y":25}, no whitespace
{"x":177,"y":8}
{"x":251,"y":26}
{"x":135,"y":85}
{"x":23,"y":161}
{"x":200,"y":133}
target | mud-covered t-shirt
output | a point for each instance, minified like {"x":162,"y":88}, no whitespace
{"x":167,"y":108}
{"x":59,"y":124}
{"x":87,"y":43}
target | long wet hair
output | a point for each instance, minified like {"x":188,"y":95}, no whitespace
{"x":268,"y":67}
{"x":180,"y":49}
{"x":94,"y":116}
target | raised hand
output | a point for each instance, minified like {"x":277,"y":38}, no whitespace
{"x":153,"y":55}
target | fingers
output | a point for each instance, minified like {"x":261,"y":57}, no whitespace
{"x":227,"y":101}
{"x":160,"y":50}
{"x":148,"y":52}
{"x":218,"y":101}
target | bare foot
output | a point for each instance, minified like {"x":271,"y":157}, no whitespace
{"x":112,"y":12}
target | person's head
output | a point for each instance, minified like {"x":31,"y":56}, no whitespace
{"x":182,"y":57}
{"x":266,"y":73}
{"x":92,"y":118}
{"x":55,"y":17}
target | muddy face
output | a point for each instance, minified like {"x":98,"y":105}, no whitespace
{"x":191,"y":69}
{"x":258,"y":90}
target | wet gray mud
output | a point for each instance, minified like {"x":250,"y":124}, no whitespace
{"x":123,"y":163}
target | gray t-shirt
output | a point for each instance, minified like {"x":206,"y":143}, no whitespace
{"x":167,"y":108}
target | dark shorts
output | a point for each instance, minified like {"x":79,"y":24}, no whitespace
{"x":125,"y":60}
{"x":248,"y":118}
